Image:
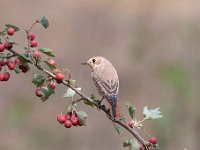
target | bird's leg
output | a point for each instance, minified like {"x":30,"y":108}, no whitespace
{"x":99,"y":103}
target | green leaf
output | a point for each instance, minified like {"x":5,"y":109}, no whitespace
{"x":123,"y":120}
{"x":52,"y":67}
{"x":131,"y":110}
{"x":24,"y":58}
{"x":38,"y":80}
{"x":44,"y":22}
{"x":82,"y":116}
{"x":126,"y":143}
{"x":2,"y":55}
{"x":152,"y":113}
{"x":17,"y":70}
{"x":118,"y":128}
{"x":47,"y":51}
{"x":132,"y":144}
{"x":13,"y":26}
{"x":72,"y":82}
{"x":70,"y":92}
{"x":46,"y":92}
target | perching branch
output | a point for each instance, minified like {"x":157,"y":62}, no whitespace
{"x":145,"y":143}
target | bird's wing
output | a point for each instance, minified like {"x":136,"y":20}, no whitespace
{"x":110,"y":88}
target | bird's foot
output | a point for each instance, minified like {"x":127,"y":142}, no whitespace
{"x":99,"y":104}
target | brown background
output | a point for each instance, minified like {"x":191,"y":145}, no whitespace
{"x":154,"y":45}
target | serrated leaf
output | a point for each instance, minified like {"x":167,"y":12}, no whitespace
{"x":82,"y":116}
{"x":38,"y":79}
{"x":70,"y":92}
{"x":52,"y":67}
{"x":47,"y":51}
{"x":118,"y":128}
{"x":131,"y":110}
{"x":44,"y":22}
{"x":152,"y":113}
{"x":13,"y":26}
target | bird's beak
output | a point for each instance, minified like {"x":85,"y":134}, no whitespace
{"x":85,"y":63}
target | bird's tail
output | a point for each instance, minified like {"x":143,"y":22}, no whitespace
{"x":115,"y":110}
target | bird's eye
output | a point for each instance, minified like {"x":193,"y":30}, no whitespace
{"x":93,"y":60}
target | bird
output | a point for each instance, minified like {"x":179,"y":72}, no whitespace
{"x":106,"y":80}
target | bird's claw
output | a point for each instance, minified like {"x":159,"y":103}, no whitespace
{"x":99,"y":104}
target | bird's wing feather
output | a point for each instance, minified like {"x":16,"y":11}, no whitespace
{"x":110,"y":87}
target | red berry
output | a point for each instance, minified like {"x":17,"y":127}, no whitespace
{"x":1,"y":77}
{"x":141,"y":147}
{"x":38,"y":92}
{"x":68,"y":116}
{"x":11,"y":65}
{"x":36,"y":54}
{"x":10,"y":31}
{"x":2,"y":63}
{"x":52,"y":62}
{"x":153,"y":140}
{"x":34,"y":43}
{"x":8,"y":45}
{"x":6,"y":76}
{"x":68,"y":123}
{"x":61,"y":118}
{"x":2,"y":47}
{"x":23,"y":68}
{"x":59,"y":77}
{"x":52,"y":84}
{"x":131,"y":123}
{"x":17,"y":60}
{"x":74,"y":121}
{"x":31,"y":36}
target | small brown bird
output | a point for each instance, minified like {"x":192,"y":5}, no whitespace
{"x":106,"y":80}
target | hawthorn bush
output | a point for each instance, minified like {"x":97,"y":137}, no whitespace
{"x":42,"y":58}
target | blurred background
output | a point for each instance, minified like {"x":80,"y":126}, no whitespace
{"x":154,"y":46}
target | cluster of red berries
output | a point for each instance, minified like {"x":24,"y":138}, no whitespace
{"x":33,"y":43}
{"x":69,"y":120}
{"x":7,"y":45}
{"x":11,"y":64}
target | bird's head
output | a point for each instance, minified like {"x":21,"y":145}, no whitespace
{"x":97,"y":61}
